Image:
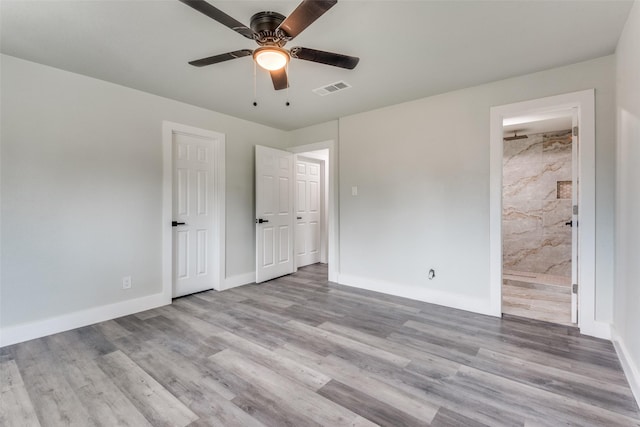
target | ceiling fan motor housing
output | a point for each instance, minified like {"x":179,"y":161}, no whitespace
{"x":264,"y":25}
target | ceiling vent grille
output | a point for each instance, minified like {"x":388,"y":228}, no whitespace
{"x":332,"y":88}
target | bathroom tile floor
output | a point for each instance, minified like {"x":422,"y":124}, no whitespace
{"x":537,"y":296}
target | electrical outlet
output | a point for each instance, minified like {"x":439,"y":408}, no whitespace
{"x":126,"y":282}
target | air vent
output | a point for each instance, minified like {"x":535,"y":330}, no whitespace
{"x":332,"y":88}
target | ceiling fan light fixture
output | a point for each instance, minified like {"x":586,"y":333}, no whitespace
{"x":271,"y":58}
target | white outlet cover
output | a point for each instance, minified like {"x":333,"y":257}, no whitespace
{"x":126,"y":282}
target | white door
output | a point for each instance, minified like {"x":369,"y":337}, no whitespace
{"x":574,"y":219}
{"x":308,"y":212}
{"x":274,"y":213}
{"x":193,"y":214}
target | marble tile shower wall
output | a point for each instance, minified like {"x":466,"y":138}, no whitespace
{"x":535,"y":237}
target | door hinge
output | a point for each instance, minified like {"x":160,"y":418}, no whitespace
{"x":575,"y":209}
{"x":574,"y":288}
{"x":575,"y":131}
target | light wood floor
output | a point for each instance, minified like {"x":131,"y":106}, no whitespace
{"x":298,"y":351}
{"x":537,"y":296}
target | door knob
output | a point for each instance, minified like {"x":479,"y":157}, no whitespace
{"x":260,"y":220}
{"x":176,"y":223}
{"x":299,"y":217}
{"x":569,"y":223}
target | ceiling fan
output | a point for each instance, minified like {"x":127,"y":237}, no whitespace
{"x":272,"y":31}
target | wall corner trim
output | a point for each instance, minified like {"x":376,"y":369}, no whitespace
{"x":631,"y":370}
{"x":53,"y":325}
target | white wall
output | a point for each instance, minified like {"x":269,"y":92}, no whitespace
{"x":82,"y":190}
{"x":627,"y":287}
{"x":422,"y":172}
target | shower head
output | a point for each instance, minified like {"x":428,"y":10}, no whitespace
{"x":515,"y":136}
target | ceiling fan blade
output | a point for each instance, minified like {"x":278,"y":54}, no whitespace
{"x":279,"y":78}
{"x":328,"y":58}
{"x":220,"y":58}
{"x":304,"y":15}
{"x":218,"y":15}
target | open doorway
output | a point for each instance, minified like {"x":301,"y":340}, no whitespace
{"x":539,"y":176}
{"x":585,"y":289}
{"x":276,"y":209}
{"x":324,"y":154}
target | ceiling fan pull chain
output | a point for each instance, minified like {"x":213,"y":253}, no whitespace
{"x":288,"y":76}
{"x":255,"y":102}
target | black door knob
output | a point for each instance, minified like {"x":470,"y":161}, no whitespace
{"x":260,"y":220}
{"x":176,"y":223}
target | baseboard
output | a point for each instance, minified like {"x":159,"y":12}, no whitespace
{"x":476,"y":305}
{"x":239,"y":280}
{"x":53,"y":325}
{"x":631,"y":370}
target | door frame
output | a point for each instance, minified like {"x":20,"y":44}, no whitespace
{"x":333,"y":225}
{"x":584,"y":101}
{"x":219,"y":214}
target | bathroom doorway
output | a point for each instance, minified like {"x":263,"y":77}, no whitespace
{"x":539,"y":240}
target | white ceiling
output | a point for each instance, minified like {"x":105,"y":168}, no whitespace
{"x":407,"y":49}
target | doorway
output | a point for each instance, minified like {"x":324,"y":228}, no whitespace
{"x":538,"y":181}
{"x":326,"y":154}
{"x":584,"y":102}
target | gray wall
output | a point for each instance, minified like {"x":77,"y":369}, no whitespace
{"x":422,"y":171}
{"x":81,"y":189}
{"x":87,"y":175}
{"x":627,"y":291}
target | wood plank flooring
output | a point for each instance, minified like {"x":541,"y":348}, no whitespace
{"x":299,"y":351}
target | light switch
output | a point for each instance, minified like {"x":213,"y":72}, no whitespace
{"x":354,"y":190}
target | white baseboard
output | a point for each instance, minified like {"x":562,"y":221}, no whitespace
{"x":53,"y":325}
{"x":476,"y":305}
{"x":239,"y":280}
{"x":629,"y":366}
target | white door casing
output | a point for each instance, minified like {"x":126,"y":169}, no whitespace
{"x":274,"y":213}
{"x":194,"y":193}
{"x":308,"y":212}
{"x":575,"y":171}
